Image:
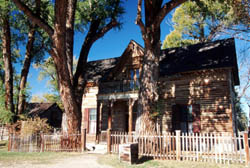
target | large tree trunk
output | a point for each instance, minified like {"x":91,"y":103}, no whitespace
{"x":70,"y":22}
{"x":25,"y":71}
{"x":63,"y":75}
{"x":148,"y":93}
{"x":6,"y":46}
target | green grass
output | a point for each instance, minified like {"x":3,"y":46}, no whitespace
{"x":13,"y":158}
{"x":113,"y":161}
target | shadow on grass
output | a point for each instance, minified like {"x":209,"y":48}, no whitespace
{"x":144,"y":159}
{"x":3,"y":144}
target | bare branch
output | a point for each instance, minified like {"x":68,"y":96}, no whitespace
{"x":139,"y":19}
{"x":167,"y":7}
{"x":35,"y":18}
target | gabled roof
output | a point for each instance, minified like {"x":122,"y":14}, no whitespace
{"x":202,"y":56}
{"x":36,"y":109}
{"x":97,"y":69}
{"x":123,"y":59}
{"x":101,"y":69}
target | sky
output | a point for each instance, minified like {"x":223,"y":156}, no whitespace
{"x":111,"y":45}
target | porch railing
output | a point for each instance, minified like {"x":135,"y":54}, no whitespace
{"x":119,"y":86}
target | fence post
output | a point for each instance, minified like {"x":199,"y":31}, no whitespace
{"x":10,"y":142}
{"x":42,"y":142}
{"x":83,"y":139}
{"x":108,"y":141}
{"x":178,"y":145}
{"x":246,"y":147}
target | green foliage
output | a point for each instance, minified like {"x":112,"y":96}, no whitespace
{"x":6,"y":116}
{"x":158,"y":110}
{"x":34,"y":126}
{"x":48,"y":70}
{"x":241,"y":117}
{"x":204,"y":20}
{"x":102,"y":10}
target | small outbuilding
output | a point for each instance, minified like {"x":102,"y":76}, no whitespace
{"x":51,"y":111}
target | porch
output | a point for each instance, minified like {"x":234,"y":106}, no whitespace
{"x":116,"y":111}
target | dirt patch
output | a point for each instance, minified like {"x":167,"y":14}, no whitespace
{"x":85,"y":160}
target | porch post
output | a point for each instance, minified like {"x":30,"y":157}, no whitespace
{"x":111,"y":103}
{"x":98,"y":120}
{"x":130,"y":113}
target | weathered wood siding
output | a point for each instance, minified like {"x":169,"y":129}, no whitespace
{"x":119,"y":116}
{"x":210,"y":89}
{"x":89,"y":100}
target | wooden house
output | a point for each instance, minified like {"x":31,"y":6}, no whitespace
{"x":50,"y":111}
{"x":196,"y":88}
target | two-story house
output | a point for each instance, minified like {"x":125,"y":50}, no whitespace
{"x":196,"y":88}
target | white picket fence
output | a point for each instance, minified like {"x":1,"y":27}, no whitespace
{"x":4,"y":133}
{"x":209,"y":147}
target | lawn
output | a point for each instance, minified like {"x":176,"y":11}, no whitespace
{"x":8,"y":159}
{"x":113,"y":161}
{"x":11,"y":159}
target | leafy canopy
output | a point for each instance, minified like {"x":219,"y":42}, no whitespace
{"x":204,"y":20}
{"x":102,"y":10}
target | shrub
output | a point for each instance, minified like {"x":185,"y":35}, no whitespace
{"x":34,"y":126}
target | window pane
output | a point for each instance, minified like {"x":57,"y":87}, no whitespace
{"x":190,"y":127}
{"x":189,"y":113}
{"x":92,"y":114}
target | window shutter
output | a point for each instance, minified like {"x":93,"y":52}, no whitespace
{"x":86,"y":119}
{"x":196,"y":118}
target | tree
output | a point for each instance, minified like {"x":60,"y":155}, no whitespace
{"x":6,"y":116}
{"x":241,"y":117}
{"x":101,"y":16}
{"x":206,"y":20}
{"x":15,"y":32}
{"x":155,"y":12}
{"x":6,"y":50}
{"x":35,"y":49}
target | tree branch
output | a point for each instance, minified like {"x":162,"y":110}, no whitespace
{"x":34,"y":18}
{"x":113,"y":23}
{"x":167,"y":7}
{"x":91,"y":37}
{"x":139,"y":21}
{"x":139,"y":17}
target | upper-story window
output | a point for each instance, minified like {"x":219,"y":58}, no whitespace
{"x":134,"y":79}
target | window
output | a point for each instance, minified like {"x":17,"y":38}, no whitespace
{"x":92,"y":114}
{"x":134,"y":79}
{"x":186,"y":118}
{"x":90,"y":120}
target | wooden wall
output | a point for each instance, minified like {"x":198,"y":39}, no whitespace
{"x":210,"y":89}
{"x":89,"y":100}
